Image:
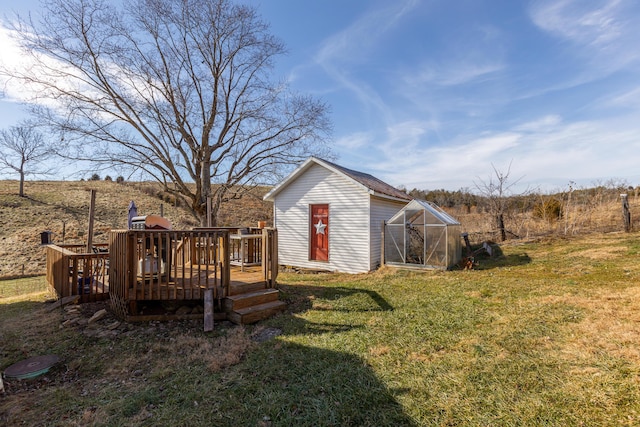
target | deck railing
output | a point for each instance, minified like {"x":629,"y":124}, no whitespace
{"x":159,"y":265}
{"x":70,"y":271}
{"x":167,"y":265}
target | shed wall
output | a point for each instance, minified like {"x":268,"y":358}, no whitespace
{"x":349,"y":206}
{"x":381,"y":210}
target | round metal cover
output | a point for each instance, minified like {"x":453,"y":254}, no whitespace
{"x":31,"y":367}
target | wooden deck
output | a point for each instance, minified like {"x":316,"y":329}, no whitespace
{"x":147,"y":271}
{"x":193,"y":287}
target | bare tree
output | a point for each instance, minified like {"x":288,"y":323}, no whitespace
{"x":23,"y":150}
{"x":179,"y":89}
{"x":497,"y":190}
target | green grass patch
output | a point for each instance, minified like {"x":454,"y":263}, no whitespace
{"x":22,"y":287}
{"x":544,"y":335}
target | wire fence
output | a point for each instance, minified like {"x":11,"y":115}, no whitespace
{"x":27,"y":285}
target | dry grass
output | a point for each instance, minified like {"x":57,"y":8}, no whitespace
{"x":603,"y":216}
{"x":611,"y":325}
{"x":218,"y":354}
{"x":63,"y":208}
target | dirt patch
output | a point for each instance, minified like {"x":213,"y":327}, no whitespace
{"x":265,"y":334}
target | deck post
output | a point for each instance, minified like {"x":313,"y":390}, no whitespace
{"x":225,"y":257}
{"x":270,"y":256}
{"x":208,"y":310}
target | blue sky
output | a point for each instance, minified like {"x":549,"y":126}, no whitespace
{"x":431,"y":94}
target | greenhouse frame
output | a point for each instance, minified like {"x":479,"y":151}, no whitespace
{"x":422,"y":235}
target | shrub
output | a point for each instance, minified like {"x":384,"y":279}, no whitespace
{"x":95,"y":177}
{"x":108,"y":178}
{"x":549,"y":210}
{"x":120,"y":179}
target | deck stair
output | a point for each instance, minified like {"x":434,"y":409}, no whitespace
{"x":253,"y":305}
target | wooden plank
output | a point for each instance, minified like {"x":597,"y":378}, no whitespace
{"x":208,"y":310}
{"x":73,"y":299}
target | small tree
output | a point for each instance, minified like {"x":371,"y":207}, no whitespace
{"x":23,"y":150}
{"x":497,"y":191}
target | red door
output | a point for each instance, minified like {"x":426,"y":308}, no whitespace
{"x":319,"y":232}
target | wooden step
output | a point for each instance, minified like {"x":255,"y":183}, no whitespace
{"x":235,"y":302}
{"x":247,"y":315}
{"x":237,"y":288}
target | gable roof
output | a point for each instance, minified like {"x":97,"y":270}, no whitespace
{"x":434,"y":210}
{"x":368,"y":183}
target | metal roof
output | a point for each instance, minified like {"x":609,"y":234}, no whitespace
{"x":430,"y":207}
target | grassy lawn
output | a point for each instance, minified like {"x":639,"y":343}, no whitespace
{"x":548,"y":335}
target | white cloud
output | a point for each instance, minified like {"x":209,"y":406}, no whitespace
{"x":582,"y":23}
{"x":357,"y":40}
{"x":546,"y":153}
{"x":11,"y":57}
{"x":353,"y":141}
{"x":542,"y":124}
{"x":452,"y":73}
{"x":628,"y":99}
{"x":605,"y":31}
{"x":354,"y":45}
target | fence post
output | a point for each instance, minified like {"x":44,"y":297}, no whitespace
{"x":626,"y":215}
{"x":92,"y":209}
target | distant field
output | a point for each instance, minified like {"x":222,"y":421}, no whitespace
{"x":546,"y":335}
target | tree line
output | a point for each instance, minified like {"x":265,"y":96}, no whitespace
{"x":555,"y":208}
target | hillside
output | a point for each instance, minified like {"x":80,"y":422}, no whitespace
{"x":62,"y":207}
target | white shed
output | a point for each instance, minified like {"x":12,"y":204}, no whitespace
{"x":331,"y":218}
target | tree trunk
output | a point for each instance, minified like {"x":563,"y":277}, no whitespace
{"x":205,"y":184}
{"x":21,"y":191}
{"x":500,"y":222}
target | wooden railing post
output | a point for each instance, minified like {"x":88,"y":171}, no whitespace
{"x":270,"y":256}
{"x":225,"y":256}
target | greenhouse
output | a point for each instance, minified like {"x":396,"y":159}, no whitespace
{"x":422,"y":235}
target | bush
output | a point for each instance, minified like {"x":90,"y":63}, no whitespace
{"x":549,"y":210}
{"x":95,"y":177}
{"x":108,"y":178}
{"x":120,"y":179}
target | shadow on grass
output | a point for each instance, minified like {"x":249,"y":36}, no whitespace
{"x":511,"y":260}
{"x":9,"y":310}
{"x":280,"y":382}
{"x":484,"y":261}
{"x":300,"y":298}
{"x":310,"y":386}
